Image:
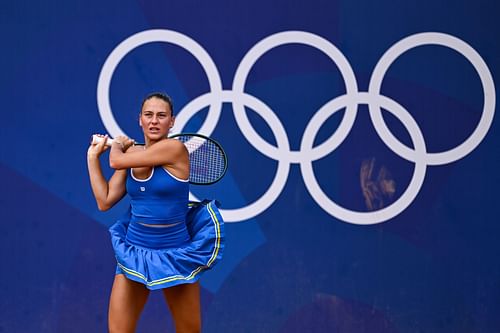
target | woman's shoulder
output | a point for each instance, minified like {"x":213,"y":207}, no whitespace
{"x":173,"y":144}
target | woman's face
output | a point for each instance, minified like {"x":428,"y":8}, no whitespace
{"x":156,"y":119}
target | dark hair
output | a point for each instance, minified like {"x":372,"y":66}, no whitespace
{"x":164,"y":97}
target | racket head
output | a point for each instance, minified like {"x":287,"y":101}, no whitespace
{"x":207,"y":158}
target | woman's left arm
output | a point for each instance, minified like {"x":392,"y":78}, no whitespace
{"x":164,"y":152}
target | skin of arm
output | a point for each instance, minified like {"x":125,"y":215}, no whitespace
{"x":106,"y":193}
{"x":170,"y":153}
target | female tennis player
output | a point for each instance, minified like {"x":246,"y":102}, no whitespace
{"x":160,"y":243}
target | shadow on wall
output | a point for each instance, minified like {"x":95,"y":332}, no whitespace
{"x":379,"y":190}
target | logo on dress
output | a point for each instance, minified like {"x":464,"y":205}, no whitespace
{"x":142,"y":188}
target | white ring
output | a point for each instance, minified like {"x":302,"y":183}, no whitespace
{"x":272,"y":193}
{"x":144,"y":37}
{"x":386,"y":213}
{"x":480,"y":66}
{"x":278,"y":39}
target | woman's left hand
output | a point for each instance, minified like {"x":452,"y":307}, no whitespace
{"x":124,"y":141}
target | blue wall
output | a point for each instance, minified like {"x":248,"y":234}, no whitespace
{"x":341,"y":218}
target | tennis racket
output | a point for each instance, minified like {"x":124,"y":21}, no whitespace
{"x":207,"y":159}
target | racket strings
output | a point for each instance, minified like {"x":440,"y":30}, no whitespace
{"x":207,"y":159}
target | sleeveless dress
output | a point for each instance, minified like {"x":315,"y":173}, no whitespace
{"x":163,"y":256}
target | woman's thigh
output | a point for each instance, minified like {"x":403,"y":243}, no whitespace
{"x":126,"y":303}
{"x":184,"y":303}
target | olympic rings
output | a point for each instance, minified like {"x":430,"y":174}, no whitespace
{"x":307,"y":153}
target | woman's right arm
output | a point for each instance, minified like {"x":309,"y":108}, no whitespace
{"x":106,"y":193}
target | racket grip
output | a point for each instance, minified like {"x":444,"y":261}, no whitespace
{"x":96,"y":139}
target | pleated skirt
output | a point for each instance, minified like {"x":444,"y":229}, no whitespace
{"x":145,"y":257}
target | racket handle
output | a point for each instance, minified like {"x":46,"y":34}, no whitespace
{"x":96,"y":139}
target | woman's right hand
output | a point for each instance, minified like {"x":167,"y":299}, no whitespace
{"x":96,"y":149}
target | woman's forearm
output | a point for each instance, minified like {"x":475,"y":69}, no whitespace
{"x":100,"y":186}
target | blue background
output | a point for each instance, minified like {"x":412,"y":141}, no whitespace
{"x":294,"y":267}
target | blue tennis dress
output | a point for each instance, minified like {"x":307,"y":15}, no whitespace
{"x":159,"y":256}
